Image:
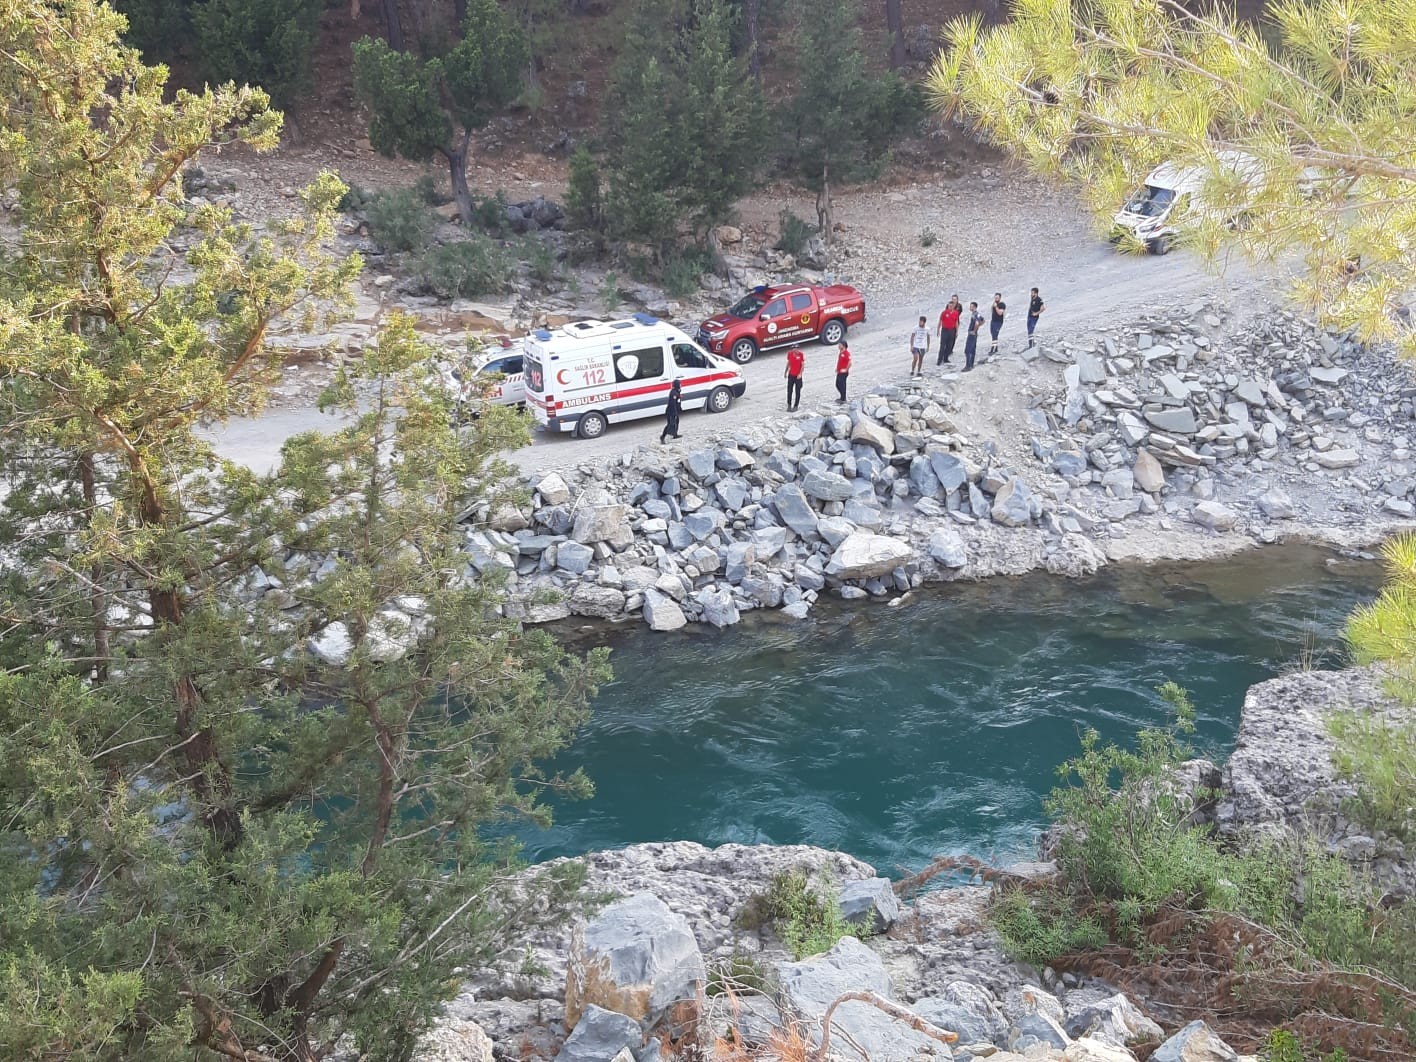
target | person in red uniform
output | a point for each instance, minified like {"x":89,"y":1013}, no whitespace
{"x":949,"y":329}
{"x":843,"y":370}
{"x":796,"y":365}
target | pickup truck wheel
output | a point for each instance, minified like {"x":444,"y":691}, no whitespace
{"x":744,"y":350}
{"x":833,"y":332}
{"x":591,"y":426}
{"x":1160,"y":245}
{"x":719,"y":399}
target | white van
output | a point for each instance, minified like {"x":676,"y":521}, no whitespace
{"x":1153,"y":213}
{"x":584,"y":376}
{"x":491,"y":376}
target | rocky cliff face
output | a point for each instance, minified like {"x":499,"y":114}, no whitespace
{"x":1281,"y":778}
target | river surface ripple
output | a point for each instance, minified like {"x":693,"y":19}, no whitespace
{"x":896,"y":734}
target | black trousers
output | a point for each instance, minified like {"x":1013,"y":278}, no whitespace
{"x":946,"y":345}
{"x":841,"y":384}
{"x":670,"y":427}
{"x":793,"y":392}
{"x":970,"y":350}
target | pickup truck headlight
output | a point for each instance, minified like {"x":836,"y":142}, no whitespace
{"x":718,"y":337}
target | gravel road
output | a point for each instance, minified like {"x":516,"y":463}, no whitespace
{"x":1086,"y":284}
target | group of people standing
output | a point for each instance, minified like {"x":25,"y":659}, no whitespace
{"x":948,"y":333}
{"x":948,"y":330}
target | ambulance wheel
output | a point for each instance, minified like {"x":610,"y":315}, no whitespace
{"x":833,"y":333}
{"x":744,"y":350}
{"x":591,"y":426}
{"x":719,"y":399}
{"x":1160,"y":245}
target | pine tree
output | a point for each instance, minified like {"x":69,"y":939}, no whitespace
{"x":1101,"y":92}
{"x":422,"y":106}
{"x":842,"y":116}
{"x":252,"y":726}
{"x":258,"y":42}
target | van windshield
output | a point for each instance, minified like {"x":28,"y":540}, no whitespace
{"x":747,"y":307}
{"x":1150,"y":201}
{"x":535,"y":378}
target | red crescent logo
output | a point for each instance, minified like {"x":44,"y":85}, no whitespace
{"x":560,"y":377}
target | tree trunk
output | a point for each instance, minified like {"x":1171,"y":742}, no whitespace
{"x":752,"y":11}
{"x":457,"y":171}
{"x":895,"y":24}
{"x":355,"y":10}
{"x":992,"y":12}
{"x":824,"y":218}
{"x":393,"y":25}
{"x":98,"y":599}
{"x":459,"y":12}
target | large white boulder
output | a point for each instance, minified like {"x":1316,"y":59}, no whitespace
{"x":637,"y":958}
{"x":864,"y":556}
{"x":1196,"y":1042}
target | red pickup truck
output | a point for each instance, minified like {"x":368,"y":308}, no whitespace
{"x":782,"y":316}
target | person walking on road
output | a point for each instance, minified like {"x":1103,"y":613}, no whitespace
{"x":919,"y":347}
{"x":948,"y":330}
{"x":1035,"y":308}
{"x":971,"y":343}
{"x":796,"y":365}
{"x":671,"y":412}
{"x":843,"y":370}
{"x":995,"y":322}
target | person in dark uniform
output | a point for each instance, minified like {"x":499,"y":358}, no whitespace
{"x":796,"y":365}
{"x":1035,"y":308}
{"x":995,"y":322}
{"x":843,"y":370}
{"x":672,"y":411}
{"x":971,"y":344}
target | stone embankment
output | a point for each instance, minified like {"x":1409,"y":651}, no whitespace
{"x":1166,"y":439}
{"x":641,"y":976}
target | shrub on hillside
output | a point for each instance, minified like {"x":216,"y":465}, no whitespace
{"x":468,"y":268}
{"x":258,"y":42}
{"x":793,"y":234}
{"x":400,"y":221}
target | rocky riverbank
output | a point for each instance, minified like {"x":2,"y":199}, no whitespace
{"x":640,"y":977}
{"x":1171,"y":438}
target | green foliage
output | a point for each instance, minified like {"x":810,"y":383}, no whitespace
{"x":400,"y":220}
{"x":465,"y":269}
{"x":610,"y":294}
{"x":1282,"y":1046}
{"x":736,"y":974}
{"x":489,"y":213}
{"x":354,"y":200}
{"x":1039,"y":928}
{"x":1379,"y":757}
{"x":793,"y":234}
{"x":160,"y":29}
{"x":584,"y":204}
{"x":259,"y":42}
{"x":542,"y":259}
{"x":681,"y":270}
{"x":218,"y":840}
{"x":1102,"y":91}
{"x":806,"y":915}
{"x":684,"y":124}
{"x":426,"y":189}
{"x":1384,"y":632}
{"x":842,"y":116}
{"x":421,"y":106}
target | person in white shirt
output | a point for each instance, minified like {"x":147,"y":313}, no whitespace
{"x":919,"y":347}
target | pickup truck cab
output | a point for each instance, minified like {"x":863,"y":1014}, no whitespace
{"x":781,"y":316}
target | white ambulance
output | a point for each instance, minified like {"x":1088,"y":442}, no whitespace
{"x":585,"y":376}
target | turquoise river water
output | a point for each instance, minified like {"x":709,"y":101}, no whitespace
{"x":896,"y":734}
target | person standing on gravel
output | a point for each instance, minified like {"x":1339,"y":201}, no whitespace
{"x":1035,"y":308}
{"x":671,"y":413}
{"x":995,"y":322}
{"x":971,"y":343}
{"x":919,"y":347}
{"x":796,"y":365}
{"x":949,"y":330}
{"x":843,"y":370}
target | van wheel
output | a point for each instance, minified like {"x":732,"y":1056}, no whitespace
{"x":744,"y":350}
{"x":833,"y":333}
{"x":1160,"y":245}
{"x":719,"y":400}
{"x":592,"y":426}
